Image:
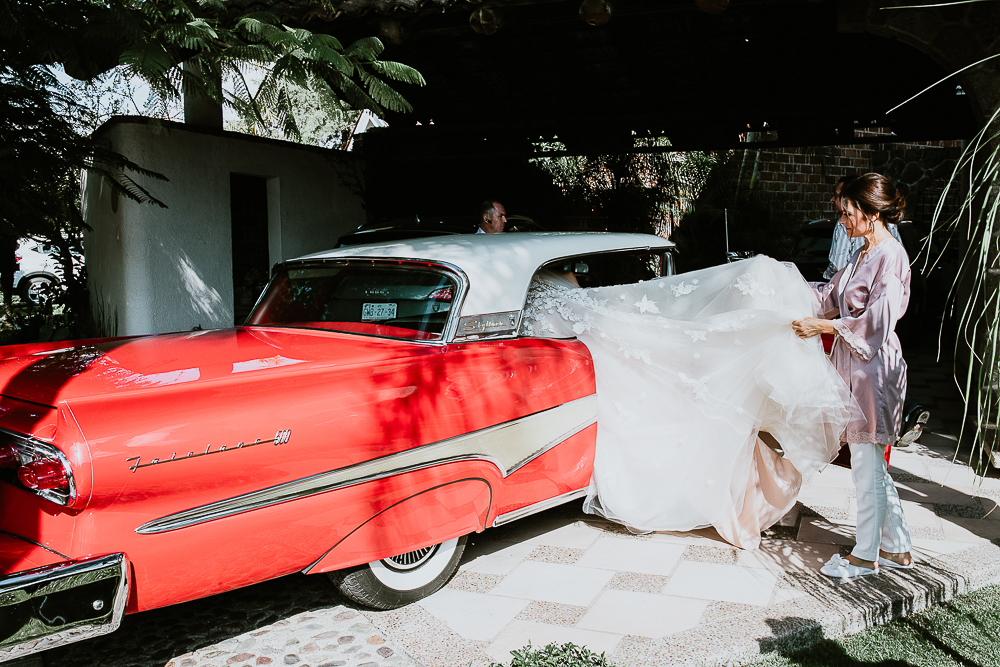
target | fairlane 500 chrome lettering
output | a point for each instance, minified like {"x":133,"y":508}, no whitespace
{"x":280,"y":438}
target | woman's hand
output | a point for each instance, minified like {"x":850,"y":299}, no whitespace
{"x":808,"y":327}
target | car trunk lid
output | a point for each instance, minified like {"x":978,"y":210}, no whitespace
{"x":71,"y":371}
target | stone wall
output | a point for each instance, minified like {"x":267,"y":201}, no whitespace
{"x":804,"y":178}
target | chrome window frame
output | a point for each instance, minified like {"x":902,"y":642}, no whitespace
{"x":444,"y":268}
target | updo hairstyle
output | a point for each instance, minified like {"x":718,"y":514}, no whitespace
{"x":874,"y":194}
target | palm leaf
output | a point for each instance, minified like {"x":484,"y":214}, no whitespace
{"x":398,"y":72}
{"x":329,"y":41}
{"x":381,"y":92}
{"x":365,"y":49}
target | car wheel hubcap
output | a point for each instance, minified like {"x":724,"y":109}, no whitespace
{"x":414,"y":569}
{"x":411,"y":560}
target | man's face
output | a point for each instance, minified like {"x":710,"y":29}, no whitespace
{"x":837,"y":209}
{"x":494,"y":223}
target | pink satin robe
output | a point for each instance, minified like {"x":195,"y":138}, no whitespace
{"x":870,"y":295}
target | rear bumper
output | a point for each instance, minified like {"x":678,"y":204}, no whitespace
{"x":60,"y":604}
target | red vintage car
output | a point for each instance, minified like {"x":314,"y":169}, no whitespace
{"x":377,"y":407}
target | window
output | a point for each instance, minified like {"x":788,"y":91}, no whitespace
{"x":616,"y":268}
{"x":361,"y":297}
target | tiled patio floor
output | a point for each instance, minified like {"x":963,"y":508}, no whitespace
{"x":690,"y":598}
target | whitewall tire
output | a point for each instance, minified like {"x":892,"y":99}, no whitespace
{"x":399,"y":580}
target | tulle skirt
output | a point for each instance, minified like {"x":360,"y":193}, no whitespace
{"x":690,"y":369}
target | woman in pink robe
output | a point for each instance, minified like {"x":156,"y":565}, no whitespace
{"x":869,"y":295}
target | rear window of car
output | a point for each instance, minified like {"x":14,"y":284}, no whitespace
{"x":615,"y":268}
{"x":394,"y":301}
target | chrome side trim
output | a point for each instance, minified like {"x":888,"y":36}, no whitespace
{"x":559,"y":440}
{"x":36,"y":635}
{"x":541,"y":506}
{"x":508,"y":446}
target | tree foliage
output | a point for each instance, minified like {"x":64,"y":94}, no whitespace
{"x":635,"y":192}
{"x":44,"y":142}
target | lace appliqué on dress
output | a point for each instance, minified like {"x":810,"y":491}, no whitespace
{"x":697,"y":334}
{"x":545,"y":300}
{"x":646,"y":305}
{"x":684,"y":288}
{"x":737,"y":323}
{"x":749,"y":286}
{"x":698,"y":388}
{"x":632,"y":351}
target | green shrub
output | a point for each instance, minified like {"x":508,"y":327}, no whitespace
{"x":553,"y":655}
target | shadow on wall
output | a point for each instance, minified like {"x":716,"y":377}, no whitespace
{"x":203,"y":299}
{"x":189,"y":292}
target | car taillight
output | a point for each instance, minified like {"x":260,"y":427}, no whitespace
{"x":39,"y":466}
{"x":44,"y":474}
{"x":443,"y":294}
{"x":8,"y":456}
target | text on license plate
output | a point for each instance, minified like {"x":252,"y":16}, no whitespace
{"x":377,"y":311}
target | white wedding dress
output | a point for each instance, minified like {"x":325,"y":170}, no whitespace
{"x":689,"y":369}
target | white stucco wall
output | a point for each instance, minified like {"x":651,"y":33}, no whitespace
{"x":153,"y":270}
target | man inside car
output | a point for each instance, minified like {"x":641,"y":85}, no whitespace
{"x":492,"y":217}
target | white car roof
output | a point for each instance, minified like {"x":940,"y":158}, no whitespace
{"x":499,"y":266}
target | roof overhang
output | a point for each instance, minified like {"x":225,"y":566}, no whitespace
{"x":657,"y":68}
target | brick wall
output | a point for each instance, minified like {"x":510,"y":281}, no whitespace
{"x":804,"y":178}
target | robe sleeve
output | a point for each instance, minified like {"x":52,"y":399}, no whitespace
{"x":826,"y":296}
{"x":870,"y":329}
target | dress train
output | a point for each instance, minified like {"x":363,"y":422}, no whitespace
{"x":690,"y":368}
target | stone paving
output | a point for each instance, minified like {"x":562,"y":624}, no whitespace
{"x":659,"y":599}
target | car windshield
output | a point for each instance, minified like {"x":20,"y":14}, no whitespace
{"x":395,"y":301}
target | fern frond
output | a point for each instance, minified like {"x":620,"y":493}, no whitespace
{"x":398,"y":72}
{"x":255,"y":53}
{"x":365,"y":49}
{"x":324,"y":54}
{"x":149,"y":59}
{"x":354,"y":94}
{"x":387,"y":97}
{"x":328,"y":41}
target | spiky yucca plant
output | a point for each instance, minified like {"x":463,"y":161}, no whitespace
{"x":973,"y":299}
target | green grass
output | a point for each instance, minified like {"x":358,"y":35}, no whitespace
{"x":962,"y":633}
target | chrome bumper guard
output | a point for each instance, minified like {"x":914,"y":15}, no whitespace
{"x":60,"y":604}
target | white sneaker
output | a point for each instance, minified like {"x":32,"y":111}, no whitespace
{"x":886,"y":562}
{"x":839,"y":567}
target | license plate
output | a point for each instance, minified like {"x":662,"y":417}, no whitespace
{"x":377,"y":311}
